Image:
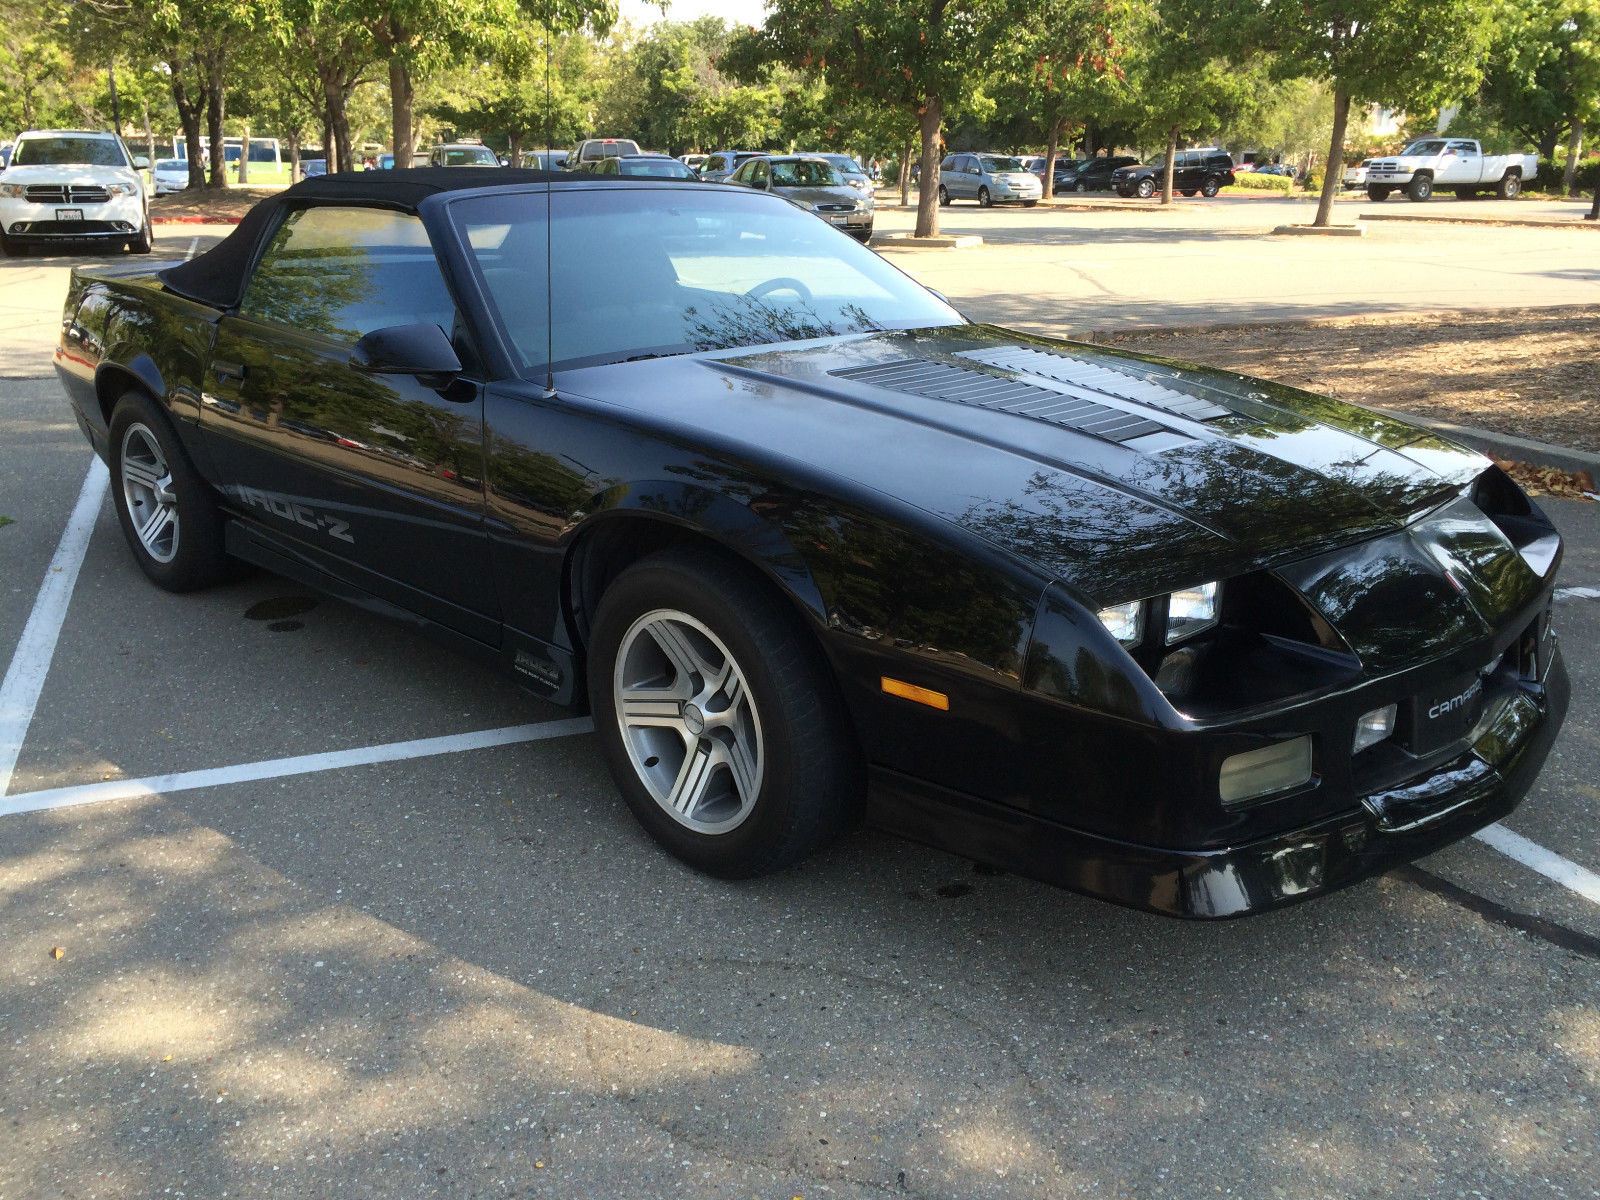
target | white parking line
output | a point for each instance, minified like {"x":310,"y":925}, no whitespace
{"x":302,"y":764}
{"x":24,"y":680}
{"x":1547,"y":862}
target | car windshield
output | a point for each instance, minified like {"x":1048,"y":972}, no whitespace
{"x":804,"y":172}
{"x":469,"y":156}
{"x":68,"y":152}
{"x":845,"y":163}
{"x":654,"y":168}
{"x":995,"y":162}
{"x":1427,"y":146}
{"x":643,"y":272}
{"x":171,"y":164}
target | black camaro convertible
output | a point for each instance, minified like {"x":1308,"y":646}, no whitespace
{"x":811,"y":546}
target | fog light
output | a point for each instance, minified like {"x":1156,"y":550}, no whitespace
{"x":1275,"y":768}
{"x":1373,"y":727}
{"x":19,"y":227}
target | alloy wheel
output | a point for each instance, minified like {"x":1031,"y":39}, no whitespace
{"x":147,"y":489}
{"x":688,"y":721}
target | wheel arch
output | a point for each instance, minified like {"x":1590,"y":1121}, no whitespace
{"x":113,"y":377}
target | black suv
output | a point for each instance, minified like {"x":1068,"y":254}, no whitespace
{"x":1203,"y":171}
{"x":1086,"y":175}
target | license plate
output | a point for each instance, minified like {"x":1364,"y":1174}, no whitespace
{"x":1448,"y":714}
{"x":69,"y":214}
{"x":837,"y":220}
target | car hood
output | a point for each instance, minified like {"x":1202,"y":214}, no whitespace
{"x":68,"y":174}
{"x":1120,"y":475}
{"x":819,"y":195}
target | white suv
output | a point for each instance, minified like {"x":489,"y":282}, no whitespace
{"x":71,"y":185}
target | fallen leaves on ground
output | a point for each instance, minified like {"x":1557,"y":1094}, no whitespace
{"x":1549,"y":481}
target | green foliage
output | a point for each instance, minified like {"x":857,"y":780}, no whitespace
{"x":1249,"y":181}
{"x":1553,"y":170}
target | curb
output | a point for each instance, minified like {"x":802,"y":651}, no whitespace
{"x":1356,"y":230}
{"x":195,"y":220}
{"x":1576,"y":222}
{"x":939,"y":241}
{"x":1505,"y":445}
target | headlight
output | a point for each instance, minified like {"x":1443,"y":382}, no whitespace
{"x":121,"y":189}
{"x":1191,"y":610}
{"x":14,"y":190}
{"x":1125,"y":622}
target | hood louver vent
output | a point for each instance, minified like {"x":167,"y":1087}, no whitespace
{"x":940,"y":381}
{"x":1063,"y":368}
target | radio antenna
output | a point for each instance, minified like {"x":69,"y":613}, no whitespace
{"x":549,"y":166}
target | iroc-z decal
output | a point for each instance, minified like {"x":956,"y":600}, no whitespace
{"x":293,"y":511}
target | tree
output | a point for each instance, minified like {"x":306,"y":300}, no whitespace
{"x":1067,"y":63}
{"x":1403,"y":54}
{"x":921,"y":56}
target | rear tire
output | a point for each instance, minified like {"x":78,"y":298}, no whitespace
{"x":944,"y":197}
{"x":1420,"y":189}
{"x":1188,"y":191}
{"x":1510,"y":186}
{"x":786,"y":729}
{"x":1377,"y":194}
{"x":1210,"y":187}
{"x":169,"y":515}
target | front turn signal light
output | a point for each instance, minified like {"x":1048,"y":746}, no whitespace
{"x":1373,"y":727}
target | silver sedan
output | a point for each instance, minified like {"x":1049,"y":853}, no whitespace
{"x":813,"y":184}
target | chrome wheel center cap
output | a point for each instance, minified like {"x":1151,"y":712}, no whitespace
{"x":693,"y":719}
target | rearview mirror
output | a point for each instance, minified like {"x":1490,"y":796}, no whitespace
{"x":422,"y":350}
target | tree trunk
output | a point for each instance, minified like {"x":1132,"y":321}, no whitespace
{"x":1166,"y":170}
{"x":328,"y":163}
{"x":905,"y":172}
{"x":402,"y":97}
{"x":189,"y":118}
{"x":1057,"y":125}
{"x":1333,"y":166}
{"x":294,"y":156}
{"x":149,"y":142}
{"x":216,"y":111}
{"x":1569,"y":177}
{"x":338,"y":124}
{"x":244,"y":156}
{"x":514,"y":147}
{"x":930,"y":121}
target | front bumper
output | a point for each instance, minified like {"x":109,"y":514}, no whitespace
{"x":116,"y":219}
{"x":1380,"y":830}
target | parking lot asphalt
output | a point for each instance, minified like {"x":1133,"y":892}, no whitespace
{"x":471,"y":974}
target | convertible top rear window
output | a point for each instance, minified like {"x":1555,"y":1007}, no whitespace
{"x":645,"y":272}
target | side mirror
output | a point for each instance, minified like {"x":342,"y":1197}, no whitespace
{"x":422,"y":350}
{"x":141,"y":163}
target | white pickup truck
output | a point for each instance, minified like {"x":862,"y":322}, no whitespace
{"x":1455,"y":164}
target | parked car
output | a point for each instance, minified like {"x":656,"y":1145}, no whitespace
{"x":419,"y":158}
{"x":545,"y":160}
{"x":814,"y":184}
{"x":385,"y":162}
{"x":644,"y":166}
{"x":1066,"y":173}
{"x":717,"y":167}
{"x":1280,"y":169}
{"x":463,"y":154}
{"x":5,"y":156}
{"x":1092,"y":174}
{"x":1205,"y":172}
{"x":170,"y":175}
{"x":788,"y":526}
{"x":988,"y":179}
{"x":586,"y":153}
{"x":1458,"y":164}
{"x":1356,"y":176}
{"x":310,"y":168}
{"x":851,"y":171}
{"x":73,"y":185}
{"x":692,"y":161}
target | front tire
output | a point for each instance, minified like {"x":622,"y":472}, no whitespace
{"x":1420,"y":189}
{"x":10,"y":248}
{"x":1377,"y":194}
{"x":169,"y":515}
{"x":984,"y":199}
{"x":863,"y":236}
{"x":1030,"y":203}
{"x":718,"y":716}
{"x":142,"y":243}
{"x":1146,"y":188}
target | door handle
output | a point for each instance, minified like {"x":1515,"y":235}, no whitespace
{"x":225,"y":371}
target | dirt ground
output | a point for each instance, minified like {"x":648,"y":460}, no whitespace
{"x":1534,"y":373}
{"x":232,"y":202}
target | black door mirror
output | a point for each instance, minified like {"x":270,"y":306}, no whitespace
{"x":422,"y":350}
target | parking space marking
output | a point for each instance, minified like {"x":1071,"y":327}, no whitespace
{"x":19,"y":693}
{"x":1576,"y":593}
{"x":301,"y":764}
{"x":1547,"y":862}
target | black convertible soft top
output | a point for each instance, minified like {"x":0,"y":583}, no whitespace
{"x":216,"y":278}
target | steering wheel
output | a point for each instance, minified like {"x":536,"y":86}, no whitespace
{"x":783,"y":283}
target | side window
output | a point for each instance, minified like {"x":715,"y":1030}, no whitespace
{"x":949,"y":163}
{"x":343,"y":272}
